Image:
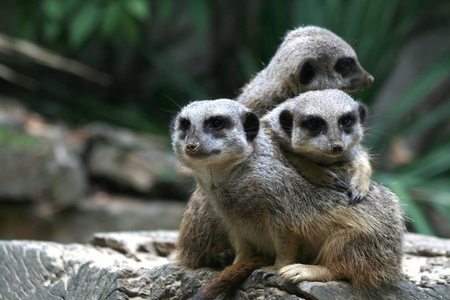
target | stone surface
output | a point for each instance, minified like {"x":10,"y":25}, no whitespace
{"x":140,"y":265}
{"x":143,"y":163}
{"x":35,"y":167}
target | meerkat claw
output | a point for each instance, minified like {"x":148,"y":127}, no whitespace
{"x":340,"y":184}
{"x":262,"y":274}
{"x":355,"y":199}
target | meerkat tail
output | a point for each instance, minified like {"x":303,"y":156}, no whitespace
{"x":232,"y":276}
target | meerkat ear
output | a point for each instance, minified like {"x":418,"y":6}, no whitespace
{"x":251,"y":126}
{"x":362,"y":110}
{"x":286,"y":121}
{"x":307,"y":72}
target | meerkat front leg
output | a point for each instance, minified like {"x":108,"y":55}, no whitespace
{"x":242,"y":248}
{"x":286,"y":247}
{"x":362,"y":172}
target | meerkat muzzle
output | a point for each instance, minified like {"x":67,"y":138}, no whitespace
{"x":191,"y":147}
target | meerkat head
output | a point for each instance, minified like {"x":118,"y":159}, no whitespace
{"x":313,"y":58}
{"x":322,"y":125}
{"x":214,"y":132}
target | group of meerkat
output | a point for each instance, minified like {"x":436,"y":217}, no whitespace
{"x":282,"y":178}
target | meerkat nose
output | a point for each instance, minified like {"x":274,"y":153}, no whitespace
{"x":369,"y":80}
{"x":336,"y":149}
{"x":191,"y":147}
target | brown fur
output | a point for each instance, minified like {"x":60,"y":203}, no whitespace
{"x":199,"y":229}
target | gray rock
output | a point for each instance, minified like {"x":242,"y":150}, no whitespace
{"x":140,"y":265}
{"x":39,"y":168}
{"x":36,"y":162}
{"x":143,"y":163}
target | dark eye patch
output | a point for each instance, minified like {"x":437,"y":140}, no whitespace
{"x":184,"y":124}
{"x":307,"y":73}
{"x":217,"y":123}
{"x":345,"y":66}
{"x":286,"y":120}
{"x":347,"y":121}
{"x":314,"y":124}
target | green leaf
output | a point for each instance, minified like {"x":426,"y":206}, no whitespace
{"x":111,"y":18}
{"x":429,"y":165}
{"x":139,"y":9}
{"x":51,"y":30}
{"x":83,"y":24}
{"x":424,"y":84}
{"x":53,"y":9}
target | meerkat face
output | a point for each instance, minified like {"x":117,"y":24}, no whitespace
{"x":324,"y":61}
{"x":322,"y":123}
{"x":213,"y":133}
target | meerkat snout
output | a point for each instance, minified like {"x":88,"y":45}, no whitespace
{"x":336,"y":148}
{"x":191,"y":147}
{"x":369,"y":81}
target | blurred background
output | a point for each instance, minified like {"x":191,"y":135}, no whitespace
{"x":88,"y":89}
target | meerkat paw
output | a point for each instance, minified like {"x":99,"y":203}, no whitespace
{"x":358,"y":189}
{"x":299,"y":272}
{"x":327,"y":178}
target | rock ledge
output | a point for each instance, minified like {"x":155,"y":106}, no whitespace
{"x":140,"y":265}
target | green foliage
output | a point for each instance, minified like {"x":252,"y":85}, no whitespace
{"x":74,"y":22}
{"x":161,"y":53}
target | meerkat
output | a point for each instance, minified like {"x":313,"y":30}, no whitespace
{"x":219,"y":141}
{"x":324,"y":127}
{"x":269,"y":209}
{"x":309,"y":58}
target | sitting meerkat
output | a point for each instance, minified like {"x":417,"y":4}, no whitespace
{"x":309,"y":58}
{"x":268,"y":208}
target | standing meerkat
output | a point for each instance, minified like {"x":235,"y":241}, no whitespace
{"x":269,"y":209}
{"x":310,"y":58}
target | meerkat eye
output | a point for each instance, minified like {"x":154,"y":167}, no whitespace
{"x":345,"y":66}
{"x":184,"y":125}
{"x":347,"y":120}
{"x":313,"y":123}
{"x":216,"y":123}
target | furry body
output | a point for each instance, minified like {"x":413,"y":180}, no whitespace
{"x":268,"y":208}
